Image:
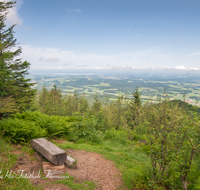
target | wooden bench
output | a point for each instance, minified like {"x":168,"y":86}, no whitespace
{"x":50,"y":151}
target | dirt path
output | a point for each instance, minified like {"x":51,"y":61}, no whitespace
{"x":90,"y":166}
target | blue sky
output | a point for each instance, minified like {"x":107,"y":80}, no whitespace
{"x":108,"y":33}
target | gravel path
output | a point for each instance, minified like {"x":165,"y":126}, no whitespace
{"x":92,"y":167}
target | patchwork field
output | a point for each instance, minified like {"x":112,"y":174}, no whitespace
{"x":151,"y":86}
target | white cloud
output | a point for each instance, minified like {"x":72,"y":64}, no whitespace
{"x":115,"y":67}
{"x":192,"y":55}
{"x":196,"y":69}
{"x":52,"y":59}
{"x":133,"y":59}
{"x":36,"y":54}
{"x":127,"y":67}
{"x":13,"y":17}
{"x":81,"y":65}
{"x":180,"y":67}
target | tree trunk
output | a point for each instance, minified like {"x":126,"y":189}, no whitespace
{"x":184,"y":182}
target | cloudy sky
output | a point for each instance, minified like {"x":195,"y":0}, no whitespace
{"x":108,"y":33}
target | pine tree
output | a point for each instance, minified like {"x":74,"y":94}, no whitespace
{"x":96,"y":104}
{"x":15,"y":89}
{"x":55,"y":97}
{"x":134,"y":109}
{"x":42,"y":99}
{"x":83,"y":104}
{"x":137,"y":100}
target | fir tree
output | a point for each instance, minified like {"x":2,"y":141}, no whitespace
{"x":96,"y":104}
{"x":136,"y":95}
{"x":134,"y":109}
{"x":15,"y":89}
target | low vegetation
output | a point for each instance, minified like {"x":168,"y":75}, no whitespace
{"x":155,"y":146}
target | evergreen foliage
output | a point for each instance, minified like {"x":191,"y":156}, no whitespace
{"x":137,"y":100}
{"x":15,"y":89}
{"x":134,"y":110}
{"x":97,"y":104}
{"x":54,"y":103}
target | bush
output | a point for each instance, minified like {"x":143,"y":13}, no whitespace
{"x":28,"y":115}
{"x":54,"y":125}
{"x":20,"y":130}
{"x":120,"y":136}
{"x":87,"y":128}
{"x":29,"y":125}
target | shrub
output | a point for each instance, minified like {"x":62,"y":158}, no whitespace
{"x":29,"y":125}
{"x":28,"y":115}
{"x":87,"y":128}
{"x":20,"y":130}
{"x":120,"y":136}
{"x":54,"y":125}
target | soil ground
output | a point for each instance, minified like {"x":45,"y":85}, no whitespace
{"x":90,"y":166}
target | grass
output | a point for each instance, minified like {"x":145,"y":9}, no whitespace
{"x":29,"y":150}
{"x":11,"y":181}
{"x":130,"y":160}
{"x":7,"y":161}
{"x":75,"y":185}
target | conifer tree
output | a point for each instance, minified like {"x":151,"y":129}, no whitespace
{"x":43,"y":99}
{"x":136,"y":95}
{"x":15,"y":89}
{"x":96,"y":104}
{"x":134,"y":109}
{"x":83,"y":104}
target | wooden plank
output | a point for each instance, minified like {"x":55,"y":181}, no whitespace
{"x":50,"y":151}
{"x":69,"y":161}
{"x":51,"y":170}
